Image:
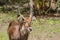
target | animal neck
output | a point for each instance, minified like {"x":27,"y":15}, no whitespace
{"x":24,"y":37}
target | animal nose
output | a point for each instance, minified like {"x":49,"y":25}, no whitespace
{"x":30,"y":28}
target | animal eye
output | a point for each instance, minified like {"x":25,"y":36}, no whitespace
{"x":29,"y":25}
{"x":24,"y":22}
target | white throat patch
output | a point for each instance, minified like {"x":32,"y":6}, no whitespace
{"x":23,"y":30}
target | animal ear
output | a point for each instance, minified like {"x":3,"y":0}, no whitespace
{"x":20,"y":18}
{"x":33,"y":18}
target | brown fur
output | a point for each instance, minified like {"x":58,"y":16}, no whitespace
{"x":14,"y":32}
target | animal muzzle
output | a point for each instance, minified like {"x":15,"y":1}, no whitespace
{"x":30,"y":29}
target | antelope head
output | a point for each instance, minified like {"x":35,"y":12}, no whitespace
{"x":26,"y":26}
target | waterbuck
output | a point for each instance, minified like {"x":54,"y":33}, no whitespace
{"x":20,"y":28}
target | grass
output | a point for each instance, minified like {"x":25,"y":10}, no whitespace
{"x":4,"y":20}
{"x":3,"y":36}
{"x":43,"y":28}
